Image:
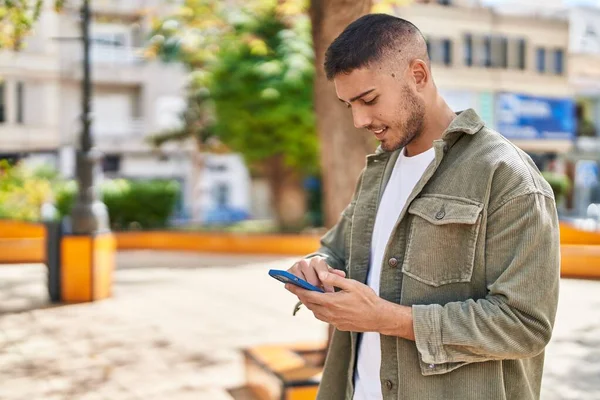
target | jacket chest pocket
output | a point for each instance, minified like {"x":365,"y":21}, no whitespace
{"x":442,"y":239}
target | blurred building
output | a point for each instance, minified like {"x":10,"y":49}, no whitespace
{"x":133,"y":98}
{"x":532,"y":71}
{"x":507,"y":67}
{"x":225,"y":188}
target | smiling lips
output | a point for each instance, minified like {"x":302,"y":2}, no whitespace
{"x":379,"y":133}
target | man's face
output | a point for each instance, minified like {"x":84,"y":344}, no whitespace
{"x":384,"y":104}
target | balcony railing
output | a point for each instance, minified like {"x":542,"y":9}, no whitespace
{"x":118,"y":130}
{"x":101,"y":55}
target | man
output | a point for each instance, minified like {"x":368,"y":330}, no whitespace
{"x":450,"y":244}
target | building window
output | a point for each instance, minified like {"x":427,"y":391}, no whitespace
{"x":444,"y":2}
{"x":111,"y":163}
{"x":221,"y":195}
{"x":468,"y":50}
{"x":521,"y":54}
{"x":20,"y":102}
{"x":491,"y":51}
{"x":503,"y":52}
{"x":2,"y":103}
{"x":540,"y":55}
{"x":559,"y":60}
{"x":447,"y":51}
{"x":487,"y":51}
{"x":440,"y":51}
{"x":499,"y":52}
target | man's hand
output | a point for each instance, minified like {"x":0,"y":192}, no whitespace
{"x":355,"y":308}
{"x":309,"y":271}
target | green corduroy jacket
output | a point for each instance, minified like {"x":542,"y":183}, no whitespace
{"x":475,"y":253}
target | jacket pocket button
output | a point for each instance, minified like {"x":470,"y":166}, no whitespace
{"x":393,"y":262}
{"x":440,"y":215}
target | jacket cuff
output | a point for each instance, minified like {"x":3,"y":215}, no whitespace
{"x":427,"y":324}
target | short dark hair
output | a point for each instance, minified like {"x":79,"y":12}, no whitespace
{"x":366,"y":40}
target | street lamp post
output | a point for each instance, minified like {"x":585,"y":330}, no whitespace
{"x":89,"y":215}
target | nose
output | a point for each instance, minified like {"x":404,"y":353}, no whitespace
{"x":361,"y":119}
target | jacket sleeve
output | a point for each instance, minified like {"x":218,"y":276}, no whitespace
{"x":515,"y":319}
{"x":335,"y":243}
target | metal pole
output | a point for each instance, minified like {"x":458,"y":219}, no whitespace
{"x":89,"y":214}
{"x":86,"y":138}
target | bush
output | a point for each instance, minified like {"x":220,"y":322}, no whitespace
{"x":131,"y":204}
{"x":559,"y":183}
{"x":22,"y":192}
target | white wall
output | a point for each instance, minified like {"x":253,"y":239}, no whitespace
{"x":228,"y":170}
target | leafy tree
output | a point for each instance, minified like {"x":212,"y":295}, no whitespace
{"x":205,"y":33}
{"x":252,"y":90}
{"x":17,"y":18}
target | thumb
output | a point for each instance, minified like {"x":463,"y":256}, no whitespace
{"x":334,"y":279}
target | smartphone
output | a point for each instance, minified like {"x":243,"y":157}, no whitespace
{"x":287,"y":277}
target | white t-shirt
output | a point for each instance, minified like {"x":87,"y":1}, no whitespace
{"x":407,"y":172}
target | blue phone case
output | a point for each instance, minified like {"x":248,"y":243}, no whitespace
{"x":287,"y":277}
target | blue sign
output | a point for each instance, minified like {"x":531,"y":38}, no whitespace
{"x":527,"y":117}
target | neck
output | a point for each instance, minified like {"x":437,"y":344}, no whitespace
{"x":437,"y":119}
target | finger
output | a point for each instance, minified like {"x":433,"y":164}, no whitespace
{"x":321,"y":313}
{"x":322,"y":267}
{"x":294,"y":289}
{"x":310,"y":298}
{"x":302,"y":294}
{"x":338,"y":272}
{"x":297,"y":269}
{"x":336,"y":280}
{"x":310,"y":273}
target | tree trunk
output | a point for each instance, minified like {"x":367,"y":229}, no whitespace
{"x":289,"y":196}
{"x":343,"y":147}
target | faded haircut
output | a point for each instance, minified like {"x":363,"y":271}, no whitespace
{"x":370,"y":39}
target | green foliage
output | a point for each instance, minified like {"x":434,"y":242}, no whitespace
{"x":560,"y":184}
{"x":131,"y":204}
{"x":251,"y":77}
{"x":262,"y":91}
{"x":195,"y":31}
{"x":22,"y":192}
{"x":64,"y":196}
{"x":17,"y":18}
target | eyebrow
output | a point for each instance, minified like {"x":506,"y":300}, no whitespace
{"x":359,"y":96}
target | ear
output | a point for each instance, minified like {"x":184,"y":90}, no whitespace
{"x":420,"y":73}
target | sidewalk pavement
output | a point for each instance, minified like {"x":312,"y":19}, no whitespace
{"x":176,"y":322}
{"x":173,"y":329}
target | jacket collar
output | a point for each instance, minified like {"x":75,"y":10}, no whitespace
{"x":466,"y":121}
